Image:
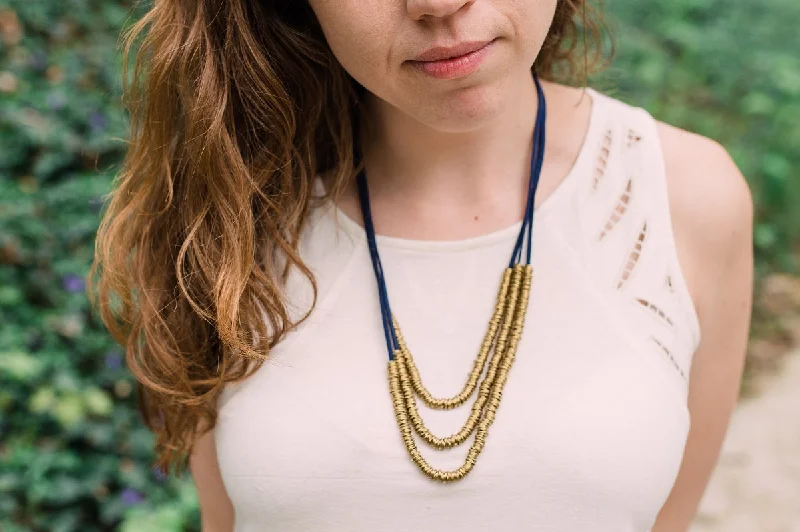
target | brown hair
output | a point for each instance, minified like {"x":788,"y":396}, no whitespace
{"x":235,"y":107}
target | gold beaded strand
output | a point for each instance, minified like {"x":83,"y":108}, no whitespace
{"x":512,"y":277}
{"x":506,"y":340}
{"x":477,"y":367}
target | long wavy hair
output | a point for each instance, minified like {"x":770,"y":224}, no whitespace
{"x":235,"y":107}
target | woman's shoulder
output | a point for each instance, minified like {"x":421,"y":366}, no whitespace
{"x":703,"y":178}
{"x":710,"y":203}
{"x":704,"y":183}
{"x":711,"y":206}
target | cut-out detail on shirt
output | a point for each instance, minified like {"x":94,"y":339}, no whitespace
{"x":669,"y":356}
{"x":668,"y":284}
{"x":619,"y":210}
{"x":654,"y":310}
{"x":633,"y":137}
{"x":633,"y":257}
{"x":602,"y":159}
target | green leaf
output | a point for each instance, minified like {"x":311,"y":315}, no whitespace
{"x":19,"y":365}
{"x":166,"y":518}
{"x":43,"y":400}
{"x":10,"y":295}
{"x":69,"y":411}
{"x":97,"y":401}
{"x":765,"y":236}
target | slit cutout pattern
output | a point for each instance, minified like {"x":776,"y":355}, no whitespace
{"x":633,"y":257}
{"x":602,"y":159}
{"x":633,"y":137}
{"x":668,"y":283}
{"x":620,"y":209}
{"x":669,"y":356}
{"x":655,"y":311}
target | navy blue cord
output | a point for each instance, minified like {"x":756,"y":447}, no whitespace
{"x":537,"y":160}
{"x":386,"y":312}
{"x":527,"y":220}
{"x":539,"y":132}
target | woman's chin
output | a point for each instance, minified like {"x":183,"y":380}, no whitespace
{"x":463,"y":110}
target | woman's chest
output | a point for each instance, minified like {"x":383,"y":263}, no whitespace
{"x":589,"y":418}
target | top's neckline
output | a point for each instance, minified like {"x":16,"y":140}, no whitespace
{"x":550,"y":203}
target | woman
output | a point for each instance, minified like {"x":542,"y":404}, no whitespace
{"x":597,"y":262}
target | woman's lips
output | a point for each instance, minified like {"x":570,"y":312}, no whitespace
{"x":453,"y":62}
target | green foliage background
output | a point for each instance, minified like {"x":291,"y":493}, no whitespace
{"x":73,"y":453}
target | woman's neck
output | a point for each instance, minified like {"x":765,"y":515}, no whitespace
{"x":430,"y":185}
{"x":409,"y":159}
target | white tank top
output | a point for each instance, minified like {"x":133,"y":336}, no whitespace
{"x":592,"y":426}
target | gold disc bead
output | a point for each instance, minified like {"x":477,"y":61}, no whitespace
{"x":510,"y":307}
{"x":516,"y":331}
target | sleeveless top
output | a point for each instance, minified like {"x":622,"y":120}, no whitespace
{"x":593,"y":423}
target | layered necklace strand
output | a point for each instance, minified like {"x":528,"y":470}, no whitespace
{"x":495,"y":356}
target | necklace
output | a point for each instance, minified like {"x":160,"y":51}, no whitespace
{"x":497,"y":350}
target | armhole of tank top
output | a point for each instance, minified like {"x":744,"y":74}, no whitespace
{"x":654,"y":154}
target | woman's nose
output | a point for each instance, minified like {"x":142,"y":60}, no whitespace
{"x":419,"y":9}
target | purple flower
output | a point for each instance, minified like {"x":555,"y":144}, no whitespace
{"x":97,"y":122}
{"x":113,"y":360}
{"x":159,"y":474}
{"x":130,"y":497}
{"x":73,"y":283}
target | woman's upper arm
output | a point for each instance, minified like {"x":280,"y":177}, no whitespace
{"x":216,"y":509}
{"x":713,"y":218}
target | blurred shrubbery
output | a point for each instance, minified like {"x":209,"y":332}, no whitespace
{"x":73,"y":453}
